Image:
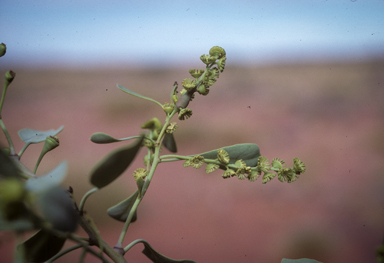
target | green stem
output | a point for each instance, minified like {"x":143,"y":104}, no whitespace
{"x":87,"y":247}
{"x":132,"y":244}
{"x":87,"y":194}
{"x":148,"y":179}
{"x":86,"y":224}
{"x":65,"y":251}
{"x":10,"y":143}
{"x":128,"y":221}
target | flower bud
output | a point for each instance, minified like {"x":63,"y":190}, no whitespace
{"x":3,"y":49}
{"x":168,"y":108}
{"x":51,"y":142}
{"x":184,"y":100}
{"x":216,"y":51}
{"x":152,"y":124}
{"x":9,"y":76}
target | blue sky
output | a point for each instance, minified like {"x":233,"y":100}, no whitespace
{"x":151,"y":33}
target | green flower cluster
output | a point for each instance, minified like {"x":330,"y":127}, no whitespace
{"x":241,"y":170}
{"x":277,"y":167}
{"x":201,"y":81}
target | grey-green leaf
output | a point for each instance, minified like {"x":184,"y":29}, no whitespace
{"x":169,"y":142}
{"x":34,"y":136}
{"x":138,"y":95}
{"x":58,"y":208}
{"x":114,"y":164}
{"x":121,"y":211}
{"x":248,"y":152}
{"x":100,"y":137}
{"x":156,"y":257}
{"x":302,"y":260}
{"x":41,"y":246}
{"x":52,"y":179}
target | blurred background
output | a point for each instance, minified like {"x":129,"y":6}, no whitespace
{"x":303,"y":79}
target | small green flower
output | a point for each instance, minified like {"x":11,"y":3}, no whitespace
{"x":168,"y":108}
{"x":196,"y":73}
{"x":228,"y":173}
{"x":211,"y":168}
{"x":286,"y":174}
{"x":223,"y":156}
{"x":298,"y":166}
{"x":140,"y":173}
{"x":189,"y":84}
{"x":277,"y":163}
{"x":185,"y":114}
{"x":221,"y":63}
{"x":263,"y":164}
{"x":240,"y":164}
{"x":253,"y":176}
{"x":268,"y":177}
{"x":243,"y":172}
{"x":203,"y":90}
{"x":196,"y":161}
{"x":217,"y":52}
{"x":148,"y":143}
{"x":171,"y":128}
{"x":207,"y":59}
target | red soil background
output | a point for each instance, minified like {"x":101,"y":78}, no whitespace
{"x":329,"y":115}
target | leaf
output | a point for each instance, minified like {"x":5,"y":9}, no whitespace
{"x":248,"y":152}
{"x":138,"y":95}
{"x":114,"y":164}
{"x":156,"y":257}
{"x":100,"y":137}
{"x":58,"y":208}
{"x":169,"y":142}
{"x":302,"y":260}
{"x":121,"y":211}
{"x":41,"y":246}
{"x":52,"y":179}
{"x":34,"y":136}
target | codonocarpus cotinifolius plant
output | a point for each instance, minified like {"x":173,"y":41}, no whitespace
{"x":29,"y":202}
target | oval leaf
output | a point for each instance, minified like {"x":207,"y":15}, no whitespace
{"x":58,"y":208}
{"x":100,"y":137}
{"x":302,"y":260}
{"x":248,"y":152}
{"x":52,"y":179}
{"x":169,"y":142}
{"x":114,"y":164}
{"x":34,"y":136}
{"x":121,"y":211}
{"x":41,"y":246}
{"x":156,"y":257}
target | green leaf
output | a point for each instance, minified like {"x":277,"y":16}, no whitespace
{"x":248,"y":152}
{"x":156,"y":257}
{"x":57,"y":207}
{"x":114,"y":164}
{"x":138,"y":95}
{"x":52,"y":179}
{"x":169,"y":142}
{"x":34,"y":136}
{"x":302,"y":260}
{"x":121,"y":211}
{"x":100,"y":137}
{"x":41,"y":246}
